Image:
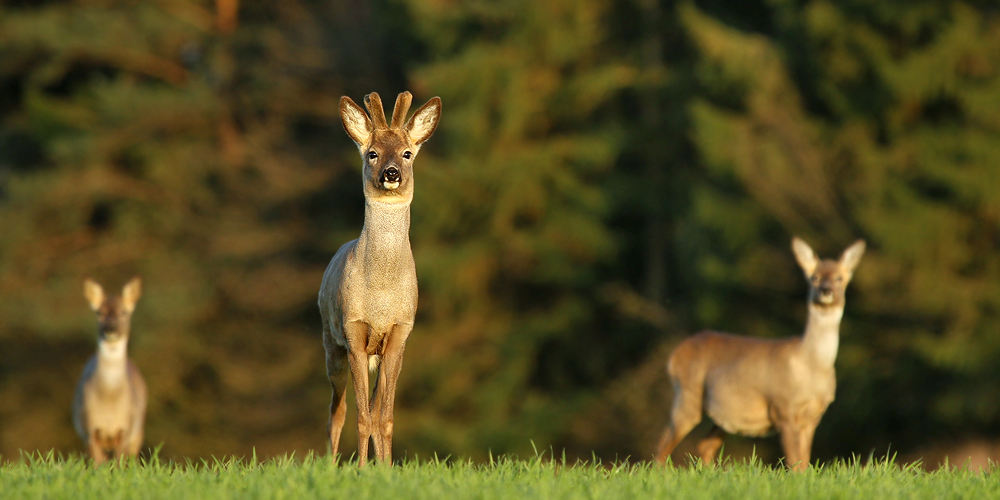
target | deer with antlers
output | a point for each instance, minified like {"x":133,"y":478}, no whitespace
{"x":753,"y":386}
{"x":368,"y":298}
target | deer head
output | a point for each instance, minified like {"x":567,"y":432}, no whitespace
{"x":388,"y":149}
{"x":114,"y":313}
{"x":827,"y":278}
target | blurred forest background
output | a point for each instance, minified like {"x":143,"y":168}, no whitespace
{"x":609,"y":177}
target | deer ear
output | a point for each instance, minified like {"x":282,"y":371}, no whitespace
{"x":852,"y":256}
{"x":356,"y":122}
{"x":94,"y":293}
{"x":805,"y":256}
{"x":424,"y":121}
{"x":131,"y":292}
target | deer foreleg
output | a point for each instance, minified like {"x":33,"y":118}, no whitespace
{"x":97,"y":453}
{"x":791,"y":438}
{"x":805,"y":445}
{"x":797,"y":428}
{"x":357,"y":336}
{"x":134,"y":444}
{"x":119,"y":448}
{"x":375,"y":405}
{"x":392,"y":363}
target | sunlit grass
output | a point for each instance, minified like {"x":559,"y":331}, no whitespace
{"x":49,"y":476}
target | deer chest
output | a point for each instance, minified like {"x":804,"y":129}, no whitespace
{"x":109,"y":413}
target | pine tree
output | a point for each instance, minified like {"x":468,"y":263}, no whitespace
{"x":509,"y":218}
{"x":166,"y":140}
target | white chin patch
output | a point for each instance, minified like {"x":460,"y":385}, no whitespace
{"x":390,"y":185}
{"x":826,"y":299}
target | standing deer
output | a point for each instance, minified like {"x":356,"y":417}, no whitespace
{"x":368,"y":298}
{"x":109,"y":410}
{"x":752,"y":386}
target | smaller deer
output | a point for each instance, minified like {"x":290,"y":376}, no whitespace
{"x":368,"y":298}
{"x":753,"y":386}
{"x":109,"y":410}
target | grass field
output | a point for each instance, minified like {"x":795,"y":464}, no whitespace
{"x":536,"y":479}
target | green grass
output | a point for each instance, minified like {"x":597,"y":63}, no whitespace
{"x":536,"y":479}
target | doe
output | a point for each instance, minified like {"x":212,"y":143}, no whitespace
{"x":109,"y":410}
{"x":753,"y":386}
{"x":368,"y":298}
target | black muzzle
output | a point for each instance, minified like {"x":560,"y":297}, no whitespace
{"x":390,"y":175}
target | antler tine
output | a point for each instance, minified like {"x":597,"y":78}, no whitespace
{"x":374,"y":104}
{"x":402,"y":107}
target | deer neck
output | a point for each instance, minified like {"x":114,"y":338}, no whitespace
{"x":112,"y":362}
{"x":384,"y":244}
{"x":822,"y":336}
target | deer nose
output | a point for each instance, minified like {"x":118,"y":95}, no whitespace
{"x":390,"y":174}
{"x":390,"y":178}
{"x":111,"y":334}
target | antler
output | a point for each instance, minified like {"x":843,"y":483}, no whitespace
{"x":374,"y":104}
{"x":402,"y":107}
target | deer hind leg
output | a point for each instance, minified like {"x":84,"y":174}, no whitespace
{"x":709,"y":446}
{"x":686,"y":414}
{"x":337,"y":369}
{"x":356,"y":334}
{"x":392,"y":363}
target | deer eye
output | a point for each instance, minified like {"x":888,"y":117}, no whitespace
{"x":407,"y":154}
{"x":840,"y":279}
{"x":372,"y":155}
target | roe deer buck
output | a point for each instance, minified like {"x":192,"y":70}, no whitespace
{"x":750,"y":386}
{"x":369,"y":293}
{"x":109,"y":410}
